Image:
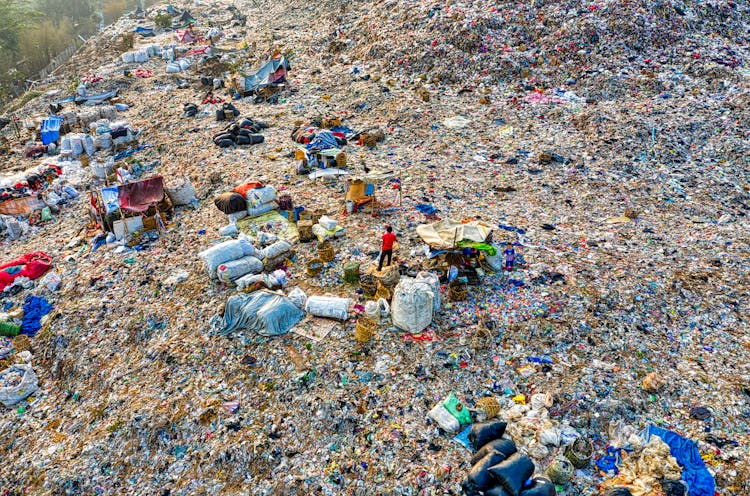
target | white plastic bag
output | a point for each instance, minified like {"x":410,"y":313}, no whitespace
{"x":221,"y":253}
{"x":261,"y":196}
{"x":298,"y":297}
{"x":496,"y":261}
{"x":412,"y":305}
{"x":275,"y":250}
{"x":328,"y":306}
{"x":11,"y":395}
{"x":328,"y":223}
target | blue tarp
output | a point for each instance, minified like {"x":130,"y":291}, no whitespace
{"x":273,"y":71}
{"x":694,"y":472}
{"x":266,"y":313}
{"x":144,"y":31}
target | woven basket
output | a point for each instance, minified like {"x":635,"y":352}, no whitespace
{"x":364,"y":329}
{"x":457,"y":291}
{"x":305,"y":230}
{"x":21,"y":343}
{"x":482,"y":339}
{"x":368,"y":284}
{"x":383,"y":292}
{"x":326,"y":252}
{"x":314,"y":267}
{"x":579,"y":453}
{"x":490,"y":406}
{"x":390,"y":278}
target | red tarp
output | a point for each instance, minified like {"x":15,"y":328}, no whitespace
{"x":31,"y":265}
{"x":138,"y":197}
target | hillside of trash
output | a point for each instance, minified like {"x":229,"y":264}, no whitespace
{"x":382,"y":248}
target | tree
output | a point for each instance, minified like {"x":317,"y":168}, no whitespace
{"x":15,"y":16}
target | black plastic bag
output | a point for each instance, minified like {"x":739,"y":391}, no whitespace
{"x":479,"y":478}
{"x":512,"y":473}
{"x":504,"y":446}
{"x":484,"y":432}
{"x":539,"y":487}
{"x":230,"y":203}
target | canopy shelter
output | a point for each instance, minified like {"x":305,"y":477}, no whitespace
{"x":361,"y":189}
{"x":449,"y":234}
{"x":272,"y":73}
{"x":133,"y":206}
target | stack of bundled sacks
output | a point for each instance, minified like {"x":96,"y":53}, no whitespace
{"x":109,"y":133}
{"x":327,"y":228}
{"x":243,"y":133}
{"x":498,"y":469}
{"x":246,"y":199}
{"x":237,"y":261}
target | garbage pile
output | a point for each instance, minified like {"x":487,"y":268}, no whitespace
{"x":567,"y":188}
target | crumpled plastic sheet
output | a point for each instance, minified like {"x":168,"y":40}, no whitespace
{"x":266,"y":313}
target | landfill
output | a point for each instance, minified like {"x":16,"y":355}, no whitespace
{"x":191,"y":227}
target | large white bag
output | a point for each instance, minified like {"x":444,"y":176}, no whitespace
{"x":412,"y":305}
{"x":275,"y":250}
{"x":328,"y":306}
{"x":260,"y":196}
{"x":497,"y":261}
{"x":231,"y":271}
{"x":434,"y":281}
{"x":226,"y":252}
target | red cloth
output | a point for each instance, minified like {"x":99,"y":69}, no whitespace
{"x":33,"y":265}
{"x":388,"y":239}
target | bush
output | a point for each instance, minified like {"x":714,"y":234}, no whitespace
{"x":163,"y":20}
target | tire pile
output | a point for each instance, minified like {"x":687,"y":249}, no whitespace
{"x":243,"y":133}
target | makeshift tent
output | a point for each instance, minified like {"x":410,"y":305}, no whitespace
{"x":185,"y":35}
{"x":265,"y":312}
{"x":449,"y":234}
{"x":144,"y":31}
{"x":271,"y":73}
{"x":32,"y":265}
{"x":139,"y":196}
{"x":360,"y":190}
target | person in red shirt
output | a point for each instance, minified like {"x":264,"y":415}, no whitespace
{"x":387,"y":249}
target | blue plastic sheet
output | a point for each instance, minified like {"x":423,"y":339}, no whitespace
{"x":266,"y":313}
{"x":694,"y":472}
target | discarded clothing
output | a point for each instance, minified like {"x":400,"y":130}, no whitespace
{"x":34,"y":308}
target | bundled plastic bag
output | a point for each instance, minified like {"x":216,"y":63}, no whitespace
{"x":377,"y":310}
{"x":328,"y":306}
{"x":504,"y":446}
{"x":260,"y":209}
{"x":298,"y":297}
{"x":328,"y":223}
{"x":230,"y":203}
{"x":412,"y":305}
{"x":482,"y":433}
{"x":479,"y":477}
{"x":275,"y":250}
{"x":27,"y":386}
{"x":261,"y":196}
{"x":226,"y":252}
{"x":231,"y":271}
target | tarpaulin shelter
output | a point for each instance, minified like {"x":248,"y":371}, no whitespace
{"x":133,"y":198}
{"x":449,"y":234}
{"x":271,"y":73}
{"x":139,"y":196}
{"x":185,"y":35}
